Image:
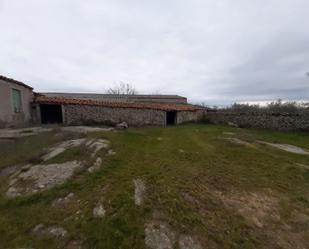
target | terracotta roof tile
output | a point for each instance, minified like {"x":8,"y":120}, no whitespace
{"x":118,"y":96}
{"x":155,"y":106}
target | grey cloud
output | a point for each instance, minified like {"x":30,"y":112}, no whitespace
{"x":275,"y":71}
{"x":214,"y":51}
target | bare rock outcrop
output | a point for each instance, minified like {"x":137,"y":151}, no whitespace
{"x":61,"y":147}
{"x":159,"y":236}
{"x":139,"y":191}
{"x":53,"y":231}
{"x":95,"y":145}
{"x":63,"y":201}
{"x":41,"y":177}
{"x":188,"y":242}
{"x":99,"y":211}
{"x":96,"y":166}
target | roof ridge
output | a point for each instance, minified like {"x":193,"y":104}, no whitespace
{"x":155,"y":106}
{"x":14,"y":81}
{"x":120,"y":95}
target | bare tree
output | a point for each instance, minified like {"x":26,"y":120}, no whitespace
{"x":122,"y":89}
{"x":156,"y":92}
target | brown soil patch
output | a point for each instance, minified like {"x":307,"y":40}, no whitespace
{"x":257,"y":208}
{"x":261,"y":211}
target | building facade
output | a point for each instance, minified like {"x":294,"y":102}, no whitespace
{"x":82,"y":111}
{"x":15,"y":103}
{"x":20,"y":106}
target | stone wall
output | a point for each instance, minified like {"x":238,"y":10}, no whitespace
{"x":265,"y":120}
{"x":84,"y":114}
{"x":186,"y":117}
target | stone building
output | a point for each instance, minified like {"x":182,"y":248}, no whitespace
{"x":15,"y":102}
{"x":19,"y":106}
{"x":71,"y":111}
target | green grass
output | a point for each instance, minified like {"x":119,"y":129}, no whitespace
{"x":28,"y":149}
{"x":205,"y":166}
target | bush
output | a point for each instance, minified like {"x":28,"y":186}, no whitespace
{"x":278,"y":106}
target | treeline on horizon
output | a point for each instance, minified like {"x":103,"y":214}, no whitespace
{"x":277,"y":106}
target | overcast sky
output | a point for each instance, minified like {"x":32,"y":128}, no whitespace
{"x":217,"y":51}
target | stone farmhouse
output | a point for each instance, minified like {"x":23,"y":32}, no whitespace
{"x":15,"y":99}
{"x":21,"y":106}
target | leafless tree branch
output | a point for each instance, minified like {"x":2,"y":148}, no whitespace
{"x":122,"y":89}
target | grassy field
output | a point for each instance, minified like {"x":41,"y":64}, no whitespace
{"x":224,"y":194}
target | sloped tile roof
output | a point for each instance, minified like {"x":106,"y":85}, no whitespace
{"x":104,"y":95}
{"x":155,"y":106}
{"x":14,"y":81}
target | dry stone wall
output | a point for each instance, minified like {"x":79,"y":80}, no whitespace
{"x":186,"y":117}
{"x":265,"y":120}
{"x":83,"y":114}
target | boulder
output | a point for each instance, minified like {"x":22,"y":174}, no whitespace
{"x":99,"y":211}
{"x":232,"y":124}
{"x":122,"y":125}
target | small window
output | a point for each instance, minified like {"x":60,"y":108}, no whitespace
{"x":16,"y":100}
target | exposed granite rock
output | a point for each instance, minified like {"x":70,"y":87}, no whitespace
{"x":122,"y":125}
{"x":53,"y":231}
{"x":188,"y":242}
{"x":96,"y":145}
{"x":159,"y":235}
{"x":99,"y":211}
{"x":41,"y":177}
{"x":96,"y":166}
{"x":25,"y":132}
{"x":286,"y":147}
{"x":85,"y":129}
{"x":62,"y":202}
{"x":61,"y":147}
{"x":139,"y":191}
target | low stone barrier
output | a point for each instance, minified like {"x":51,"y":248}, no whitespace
{"x":265,"y":120}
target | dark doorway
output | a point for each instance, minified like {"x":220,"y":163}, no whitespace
{"x":51,"y":114}
{"x":170,"y":118}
